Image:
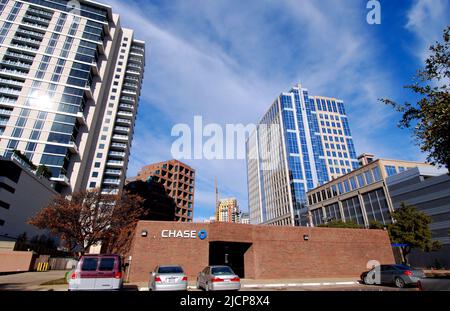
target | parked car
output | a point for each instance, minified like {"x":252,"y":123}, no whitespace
{"x":218,"y":278}
{"x":434,"y":284}
{"x":399,"y":275}
{"x":97,"y":272}
{"x":168,"y":278}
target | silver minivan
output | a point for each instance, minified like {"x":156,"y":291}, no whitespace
{"x":97,"y":272}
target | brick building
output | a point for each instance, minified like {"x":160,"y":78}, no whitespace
{"x":178,"y":180}
{"x":257,"y":251}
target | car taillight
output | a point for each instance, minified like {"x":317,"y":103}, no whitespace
{"x":118,"y":275}
{"x":158,"y":279}
{"x":216,"y":280}
{"x":184,"y":278}
{"x":73,"y":276}
{"x":408,"y":272}
{"x":235,"y":280}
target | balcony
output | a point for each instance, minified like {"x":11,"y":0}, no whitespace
{"x":113,"y":172}
{"x":122,"y":129}
{"x":133,"y":72}
{"x":73,"y":148}
{"x":119,"y":145}
{"x":135,"y":67}
{"x":5,"y":112}
{"x":13,"y":72}
{"x":125,"y":114}
{"x":31,"y":24}
{"x":80,"y":118}
{"x":33,"y":42}
{"x":16,"y":64}
{"x":7,"y":100}
{"x":61,"y":179}
{"x":116,"y":154}
{"x":20,"y":56}
{"x":123,"y":121}
{"x":111,"y":181}
{"x":3,"y":122}
{"x":9,"y":91}
{"x":30,"y":33}
{"x":40,"y":12}
{"x":115,"y":163}
{"x":11,"y":82}
{"x":126,"y":106}
{"x":128,"y":99}
{"x":131,"y":78}
{"x":110,"y":191}
{"x":24,"y":47}
{"x":120,"y":137}
{"x":37,"y":20}
{"x":129,"y":92}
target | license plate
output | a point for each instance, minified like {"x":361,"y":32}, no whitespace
{"x":228,"y":281}
{"x":171,"y":280}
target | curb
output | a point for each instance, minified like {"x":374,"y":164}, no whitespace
{"x":281,"y":285}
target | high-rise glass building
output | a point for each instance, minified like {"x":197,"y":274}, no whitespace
{"x":300,"y":143}
{"x":70,"y":81}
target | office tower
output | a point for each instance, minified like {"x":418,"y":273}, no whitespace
{"x":300,"y":143}
{"x":70,"y":81}
{"x":228,"y":211}
{"x":178,"y":180}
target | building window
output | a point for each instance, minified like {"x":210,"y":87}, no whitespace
{"x":103,"y":137}
{"x":2,"y":222}
{"x":376,"y":173}
{"x":95,"y":174}
{"x":390,"y":170}
{"x":376,"y":206}
{"x":352,"y":210}
{"x":97,"y":164}
{"x":101,"y":146}
{"x":369,"y":178}
{"x":92,"y":185}
{"x":7,"y":187}
{"x":99,"y":155}
{"x":4,"y":204}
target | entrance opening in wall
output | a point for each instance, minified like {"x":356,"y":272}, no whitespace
{"x":230,"y":254}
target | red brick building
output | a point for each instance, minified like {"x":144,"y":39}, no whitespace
{"x":178,"y":180}
{"x":257,"y":252}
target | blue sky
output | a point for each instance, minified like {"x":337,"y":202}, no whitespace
{"x":227,"y":60}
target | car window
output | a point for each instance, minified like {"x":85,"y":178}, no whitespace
{"x":106,"y":264}
{"x":221,"y":271}
{"x":385,"y":268}
{"x":89,"y":264}
{"x":402,"y":268}
{"x":166,"y":270}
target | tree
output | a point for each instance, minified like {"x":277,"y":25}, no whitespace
{"x":411,"y":230}
{"x":430,"y":116}
{"x":89,"y":218}
{"x":341,"y":224}
{"x":43,"y":171}
{"x":376,"y":225}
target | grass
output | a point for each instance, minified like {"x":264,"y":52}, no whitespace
{"x":61,"y":281}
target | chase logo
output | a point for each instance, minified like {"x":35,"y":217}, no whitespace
{"x":202,"y":234}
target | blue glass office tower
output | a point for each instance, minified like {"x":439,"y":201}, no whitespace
{"x":300,"y":143}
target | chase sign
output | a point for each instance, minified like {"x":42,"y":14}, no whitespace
{"x":184,"y":234}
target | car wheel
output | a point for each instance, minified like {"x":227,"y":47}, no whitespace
{"x":399,"y":282}
{"x":365,"y":280}
{"x":207,"y":287}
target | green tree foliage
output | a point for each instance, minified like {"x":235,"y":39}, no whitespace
{"x":411,"y":229}
{"x":430,"y":116}
{"x":376,"y":225}
{"x":340,"y":224}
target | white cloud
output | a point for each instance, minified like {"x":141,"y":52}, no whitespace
{"x":427,"y":19}
{"x":228,"y":60}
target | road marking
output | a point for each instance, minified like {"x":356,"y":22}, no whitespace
{"x":346,"y":283}
{"x":274,"y":285}
{"x":310,"y":284}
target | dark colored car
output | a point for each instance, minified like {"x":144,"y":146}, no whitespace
{"x":97,"y":272}
{"x":399,"y":275}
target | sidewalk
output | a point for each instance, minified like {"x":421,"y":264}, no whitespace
{"x":276,"y":283}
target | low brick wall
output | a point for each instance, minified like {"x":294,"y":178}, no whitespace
{"x":15,"y":261}
{"x":274,"y":252}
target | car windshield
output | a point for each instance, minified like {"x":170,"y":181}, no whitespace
{"x":167,"y":270}
{"x":221,"y":271}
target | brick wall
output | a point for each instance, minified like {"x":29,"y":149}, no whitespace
{"x":276,"y":252}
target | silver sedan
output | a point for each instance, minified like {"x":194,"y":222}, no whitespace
{"x":168,"y":278}
{"x":218,"y":278}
